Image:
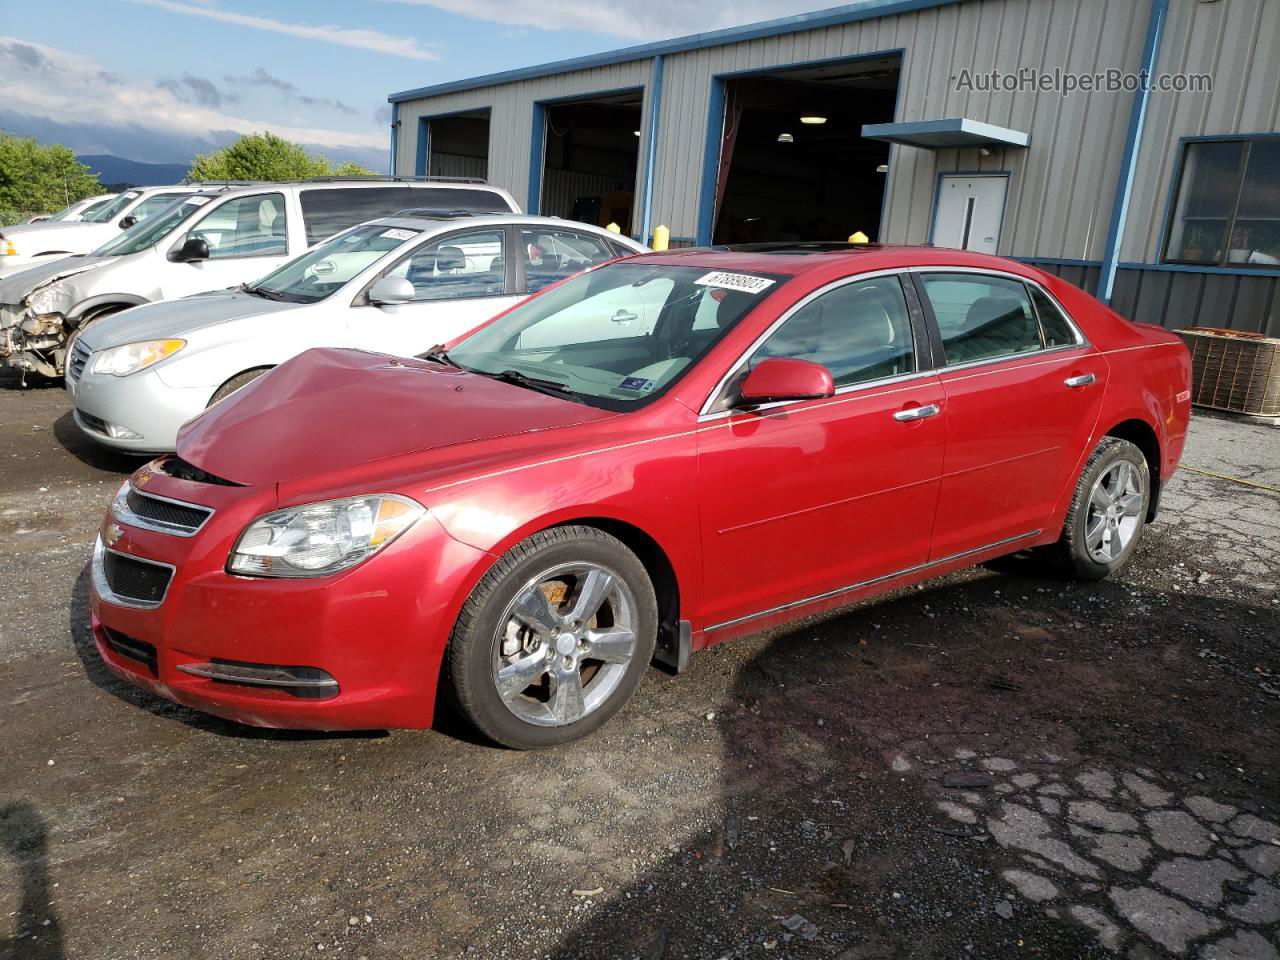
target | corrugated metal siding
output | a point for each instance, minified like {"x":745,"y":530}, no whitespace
{"x":1175,"y":299}
{"x":1238,"y":43}
{"x":511,"y":120}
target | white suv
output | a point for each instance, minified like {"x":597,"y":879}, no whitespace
{"x":33,"y":243}
{"x":218,"y":238}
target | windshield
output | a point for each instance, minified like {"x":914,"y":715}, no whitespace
{"x":321,"y":271}
{"x":67,"y":211}
{"x":110,"y":209}
{"x":152,"y":230}
{"x":618,"y":336}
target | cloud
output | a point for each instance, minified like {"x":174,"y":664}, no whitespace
{"x":652,"y":20}
{"x":261,"y":78}
{"x":72,"y":88}
{"x":190,"y":89}
{"x":359,"y":38}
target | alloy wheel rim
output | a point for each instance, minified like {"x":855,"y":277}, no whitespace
{"x":1115,"y":505}
{"x":564,"y":644}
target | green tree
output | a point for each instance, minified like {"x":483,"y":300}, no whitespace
{"x":40,"y":177}
{"x":264,"y":156}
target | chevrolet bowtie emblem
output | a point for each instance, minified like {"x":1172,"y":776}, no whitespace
{"x":143,"y":480}
{"x":112,"y":534}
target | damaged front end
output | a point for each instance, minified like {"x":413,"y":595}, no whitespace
{"x":34,"y":329}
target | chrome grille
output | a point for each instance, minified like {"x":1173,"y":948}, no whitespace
{"x":79,"y":357}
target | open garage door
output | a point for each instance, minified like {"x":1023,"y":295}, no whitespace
{"x":458,"y":145}
{"x":793,"y":163}
{"x":591,"y":149}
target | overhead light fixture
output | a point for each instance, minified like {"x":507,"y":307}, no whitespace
{"x":786,"y":138}
{"x":637,"y":133}
{"x":812,"y":117}
{"x":883,"y":168}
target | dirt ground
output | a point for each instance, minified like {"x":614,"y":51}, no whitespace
{"x":992,"y":765}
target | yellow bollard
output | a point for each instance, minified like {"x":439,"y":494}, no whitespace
{"x":859,"y":237}
{"x":661,"y":237}
{"x":613,"y":228}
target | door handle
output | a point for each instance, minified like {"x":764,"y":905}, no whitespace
{"x":917,"y":413}
{"x":622,"y":316}
{"x":1083,"y":380}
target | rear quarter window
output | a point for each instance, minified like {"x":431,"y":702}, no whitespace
{"x":329,"y":210}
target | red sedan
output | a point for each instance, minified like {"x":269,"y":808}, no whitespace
{"x":649,"y":458}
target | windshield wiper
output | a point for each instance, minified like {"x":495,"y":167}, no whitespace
{"x":549,"y":387}
{"x":437,"y":354}
{"x":264,"y":294}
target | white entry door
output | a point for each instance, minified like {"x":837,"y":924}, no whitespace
{"x":969,"y":210}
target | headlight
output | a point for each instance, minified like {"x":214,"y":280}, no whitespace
{"x":42,"y":323}
{"x":132,"y":357}
{"x":7,"y":249}
{"x":321,"y":538}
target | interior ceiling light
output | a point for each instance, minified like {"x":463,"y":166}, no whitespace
{"x":812,"y":117}
{"x":786,"y":138}
{"x":637,"y":133}
{"x":883,"y":168}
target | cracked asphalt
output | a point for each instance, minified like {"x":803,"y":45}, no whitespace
{"x":996,"y":764}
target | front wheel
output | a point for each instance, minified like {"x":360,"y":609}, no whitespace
{"x":555,"y":639}
{"x":1108,"y":511}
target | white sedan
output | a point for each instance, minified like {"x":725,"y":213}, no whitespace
{"x":399,"y":285}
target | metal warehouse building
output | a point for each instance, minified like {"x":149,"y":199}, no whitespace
{"x":917,"y":121}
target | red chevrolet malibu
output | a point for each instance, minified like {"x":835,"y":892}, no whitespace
{"x":649,"y":458}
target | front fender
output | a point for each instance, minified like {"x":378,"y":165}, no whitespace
{"x":91,"y":304}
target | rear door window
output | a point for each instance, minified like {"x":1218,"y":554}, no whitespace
{"x":982,"y":317}
{"x":551,"y":255}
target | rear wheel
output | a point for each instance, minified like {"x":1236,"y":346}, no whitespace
{"x":235,"y":383}
{"x":555,"y":639}
{"x":1108,"y":512}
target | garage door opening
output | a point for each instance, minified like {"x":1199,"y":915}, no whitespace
{"x":793,"y":162}
{"x":458,"y":145}
{"x":590,"y":155}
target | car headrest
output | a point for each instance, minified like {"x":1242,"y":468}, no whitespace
{"x":450,"y":259}
{"x":988,"y":311}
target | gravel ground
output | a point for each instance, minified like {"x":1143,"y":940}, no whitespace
{"x":992,"y":765}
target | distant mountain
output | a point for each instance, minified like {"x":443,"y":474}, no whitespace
{"x":119,"y":172}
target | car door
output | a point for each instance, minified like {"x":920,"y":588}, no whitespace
{"x":1023,"y":391}
{"x":802,"y":498}
{"x":247,"y":238}
{"x":460,"y":280}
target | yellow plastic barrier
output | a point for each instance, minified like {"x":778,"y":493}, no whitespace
{"x":859,"y":237}
{"x":613,"y":228}
{"x":661,"y":237}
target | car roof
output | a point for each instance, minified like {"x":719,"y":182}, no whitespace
{"x":793,"y":259}
{"x":436,"y":222}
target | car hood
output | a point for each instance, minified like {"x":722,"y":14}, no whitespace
{"x":47,"y":230}
{"x":14,"y":288}
{"x":328,"y":410}
{"x":177,"y":318}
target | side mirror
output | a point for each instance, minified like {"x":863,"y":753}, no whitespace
{"x":127,"y":222}
{"x":391,"y":290}
{"x":785,"y":378}
{"x":195,"y":248}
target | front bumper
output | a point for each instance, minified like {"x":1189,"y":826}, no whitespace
{"x":139,"y":413}
{"x":213,"y":641}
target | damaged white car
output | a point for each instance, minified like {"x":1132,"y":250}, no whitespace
{"x":211,"y":240}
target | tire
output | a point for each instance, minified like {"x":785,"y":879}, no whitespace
{"x":234,"y":384}
{"x":538,"y":615}
{"x":1114,"y":492}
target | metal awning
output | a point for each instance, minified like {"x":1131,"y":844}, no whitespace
{"x":949,"y":132}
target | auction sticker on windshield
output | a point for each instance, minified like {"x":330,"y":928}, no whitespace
{"x":735,"y":281}
{"x":197,"y":201}
{"x":396,"y":233}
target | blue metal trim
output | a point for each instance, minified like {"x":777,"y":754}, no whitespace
{"x":1274,"y":273}
{"x":849,"y":13}
{"x":1059,"y":261}
{"x":1133,"y":141}
{"x":651,"y":151}
{"x":937,"y":193}
{"x":395,"y":136}
{"x":536,"y":145}
{"x":420,"y":158}
{"x":711,"y":162}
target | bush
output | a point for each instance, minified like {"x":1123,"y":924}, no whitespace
{"x":40,"y":178}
